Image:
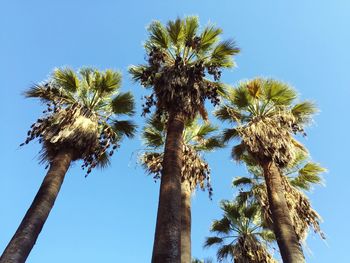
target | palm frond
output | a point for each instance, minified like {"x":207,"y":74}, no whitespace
{"x":158,"y":35}
{"x":212,"y":241}
{"x":205,"y":129}
{"x":225,"y":251}
{"x":221,"y":226}
{"x":278,"y":92}
{"x":227,"y":113}
{"x":267,"y":235}
{"x":107,"y":82}
{"x":229,"y":134}
{"x":127,"y":128}
{"x":103,"y":161}
{"x":309,"y":174}
{"x":238,"y":151}
{"x":303,"y":111}
{"x":190,"y":27}
{"x":239,"y":181}
{"x":123,"y":103}
{"x":222,"y":54}
{"x":66,"y":78}
{"x":210,"y":144}
{"x":152,"y":137}
{"x":176,"y":32}
{"x":209,"y":37}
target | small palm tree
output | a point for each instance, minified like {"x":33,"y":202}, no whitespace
{"x":197,"y":139}
{"x":179,"y":61}
{"x":80,"y":123}
{"x":297,"y":178}
{"x":267,"y":118}
{"x":240,"y":234}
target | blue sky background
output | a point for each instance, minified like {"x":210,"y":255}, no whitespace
{"x":110,"y":216}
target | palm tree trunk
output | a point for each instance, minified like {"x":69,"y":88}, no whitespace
{"x":287,"y":240}
{"x":185,"y":222}
{"x":28,"y":231}
{"x":167,"y":240}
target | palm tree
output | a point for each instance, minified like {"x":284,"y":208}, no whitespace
{"x":298,"y":177}
{"x":267,"y":119}
{"x":240,"y":234}
{"x":80,"y":123}
{"x":179,"y":59}
{"x":197,"y":139}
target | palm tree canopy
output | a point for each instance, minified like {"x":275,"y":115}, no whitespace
{"x":82,"y":114}
{"x":240,"y":234}
{"x":197,"y":137}
{"x":179,"y":58}
{"x":267,"y":117}
{"x":298,"y":177}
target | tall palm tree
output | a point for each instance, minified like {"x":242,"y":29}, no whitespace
{"x":298,"y":177}
{"x":197,"y":139}
{"x":240,"y":234}
{"x":179,"y":60}
{"x":266,"y":119}
{"x":80,"y":123}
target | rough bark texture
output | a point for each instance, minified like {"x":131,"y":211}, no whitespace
{"x":287,"y":240}
{"x":185,"y":222}
{"x":167,"y":241}
{"x":28,"y":231}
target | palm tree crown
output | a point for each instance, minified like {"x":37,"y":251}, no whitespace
{"x":81,"y":114}
{"x":298,"y":177}
{"x":179,"y":59}
{"x":197,"y":138}
{"x":266,"y":119}
{"x":240,"y":234}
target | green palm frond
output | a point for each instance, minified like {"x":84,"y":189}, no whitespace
{"x":279,"y":92}
{"x":267,"y":235}
{"x":123,"y":103}
{"x":304,"y":110}
{"x":224,"y":252}
{"x":239,"y":181}
{"x":212,"y":241}
{"x":124,"y":127}
{"x":205,"y":130}
{"x":238,"y":151}
{"x":223,"y":52}
{"x":66,"y":78}
{"x":158,"y":35}
{"x":176,"y":32}
{"x":221,"y":226}
{"x":229,"y":134}
{"x":103,"y":161}
{"x":46,"y":93}
{"x":308,"y":175}
{"x":108,"y":82}
{"x":191,"y":26}
{"x":210,"y":144}
{"x":241,"y":97}
{"x":209,"y":37}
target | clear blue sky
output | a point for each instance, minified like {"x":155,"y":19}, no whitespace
{"x":110,"y":216}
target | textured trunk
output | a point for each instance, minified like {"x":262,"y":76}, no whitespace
{"x":166,"y":247}
{"x":28,"y":231}
{"x":287,"y":240}
{"x":185,"y":222}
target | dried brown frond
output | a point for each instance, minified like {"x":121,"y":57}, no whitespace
{"x":271,"y":137}
{"x":194,"y":169}
{"x":249,"y":250}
